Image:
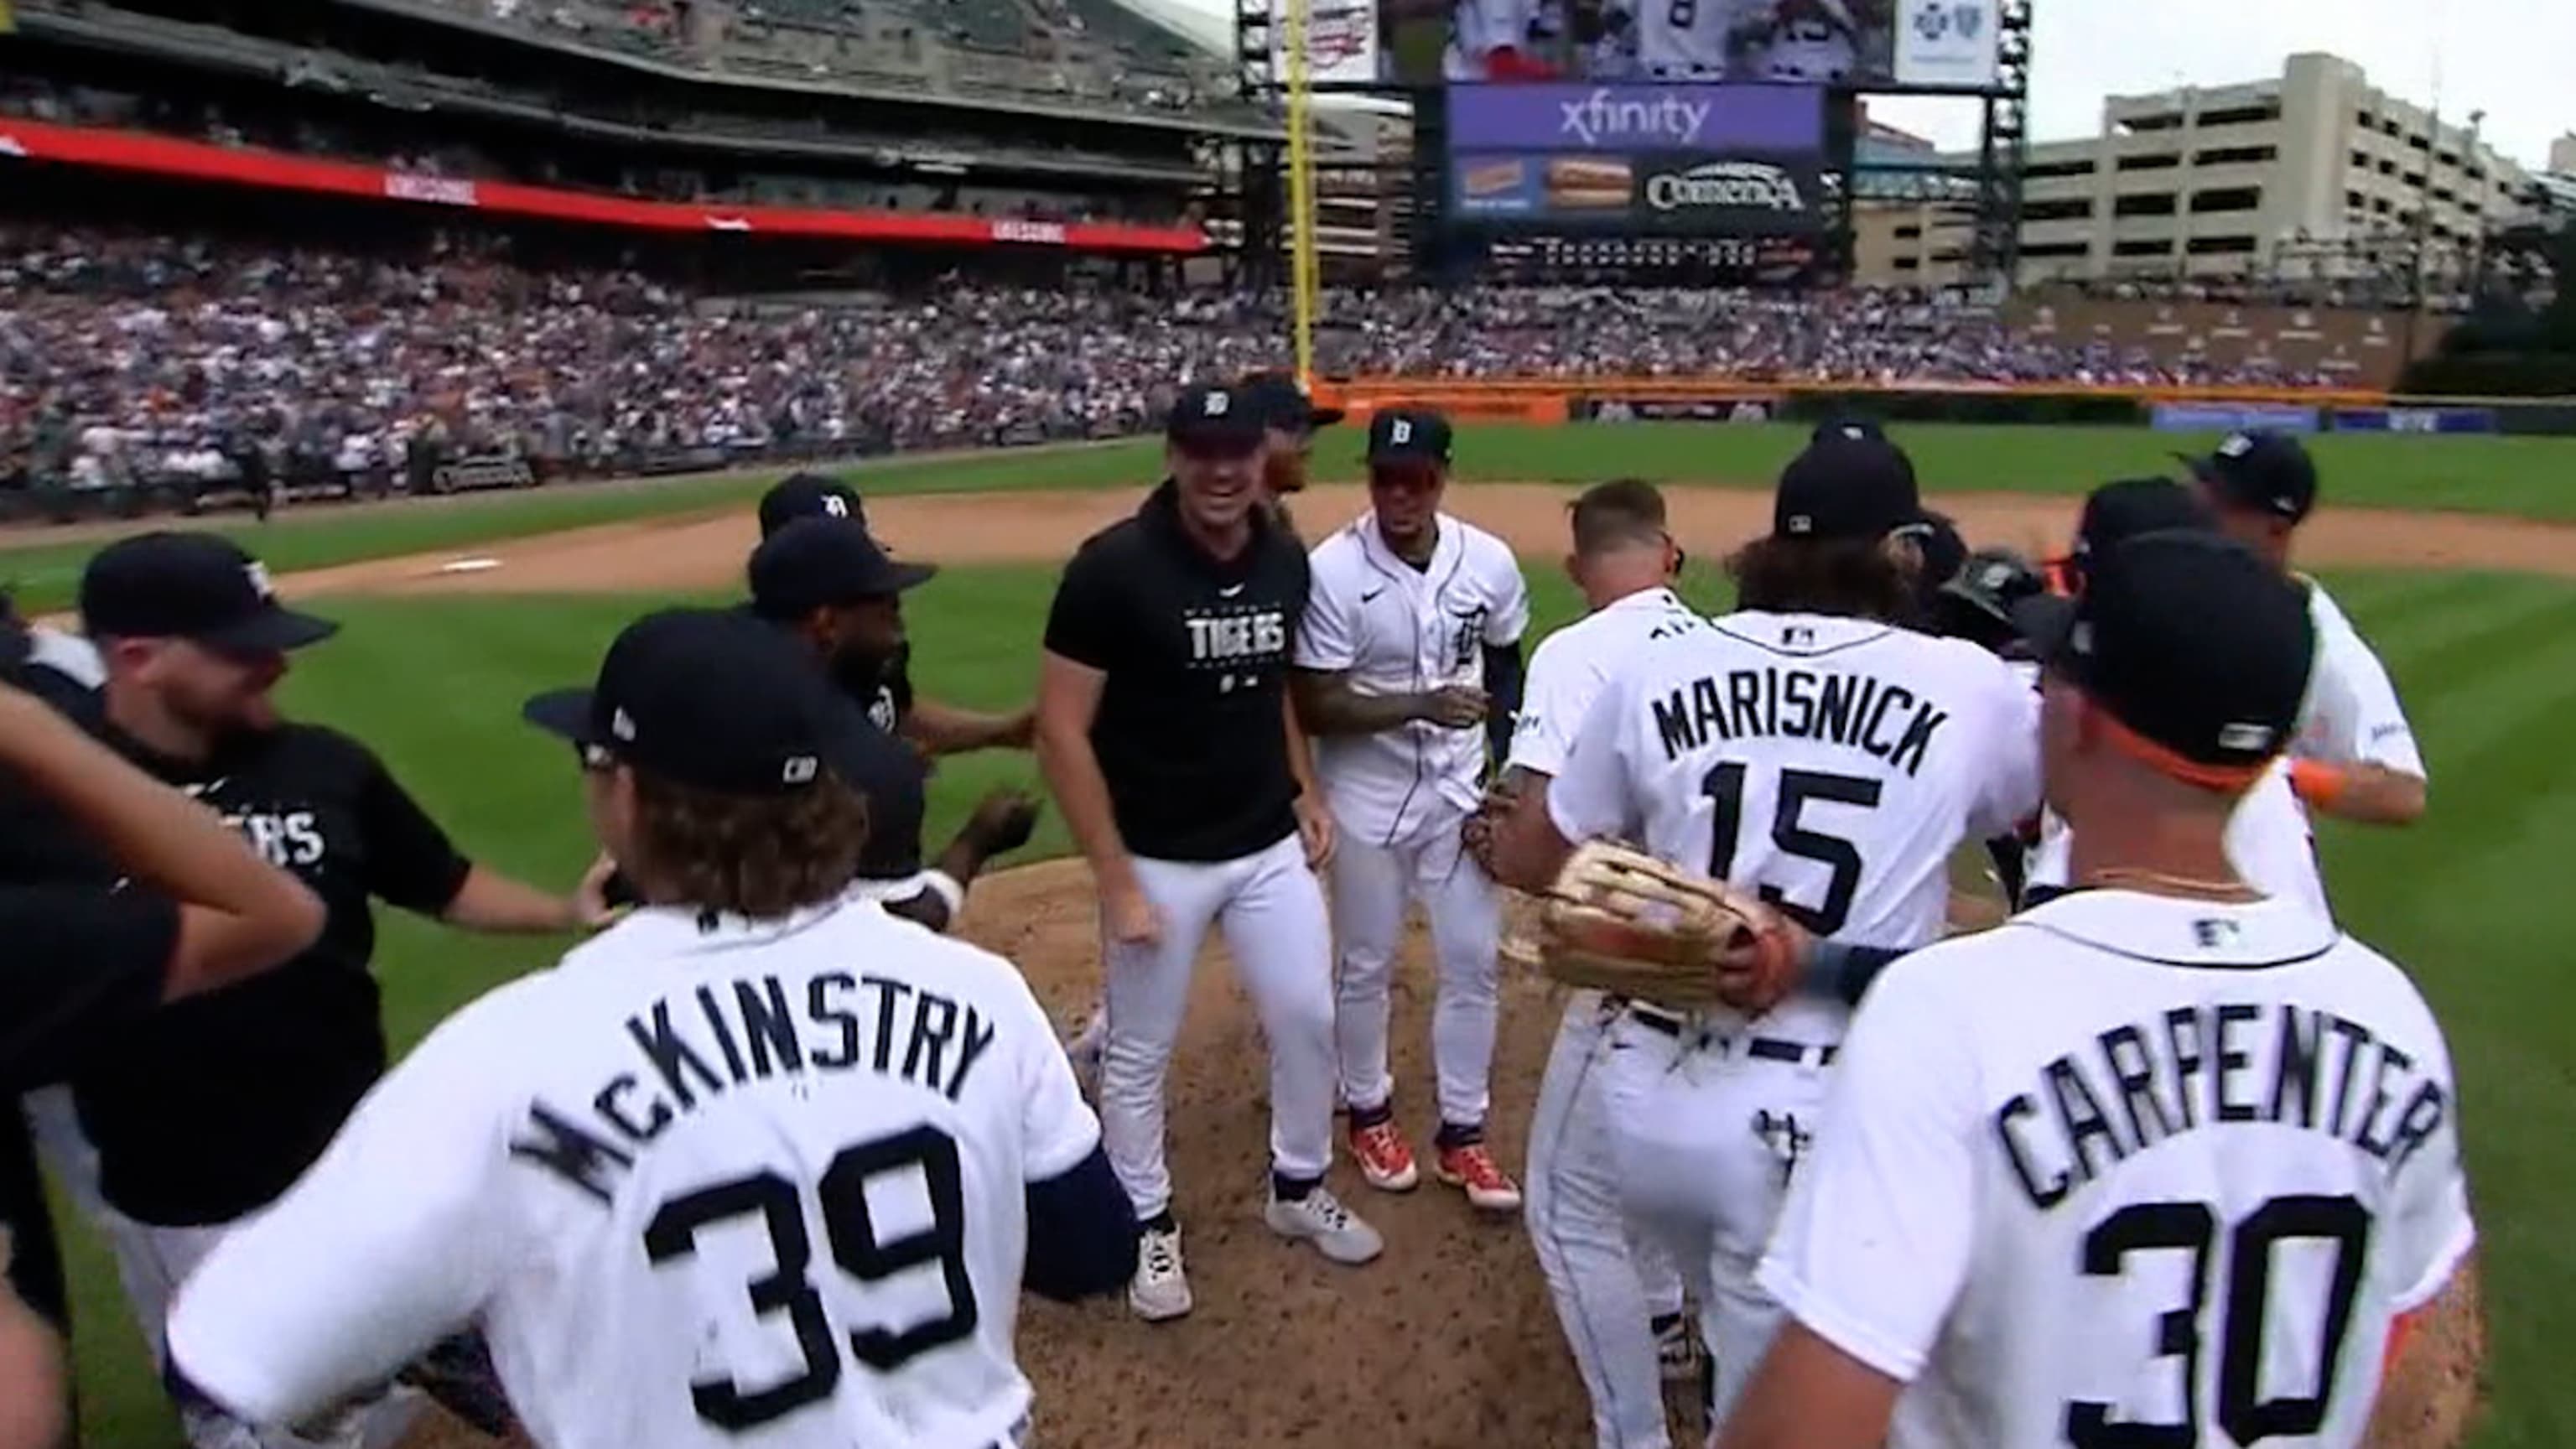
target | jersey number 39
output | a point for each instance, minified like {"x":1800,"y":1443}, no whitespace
{"x":843,"y":1197}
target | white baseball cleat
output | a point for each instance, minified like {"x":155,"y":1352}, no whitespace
{"x":1320,"y":1218}
{"x":1161,"y":1288}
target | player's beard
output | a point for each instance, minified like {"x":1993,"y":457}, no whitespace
{"x":1283,"y":472}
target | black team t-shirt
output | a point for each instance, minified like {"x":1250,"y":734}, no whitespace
{"x":1190,"y":733}
{"x":212,"y":1106}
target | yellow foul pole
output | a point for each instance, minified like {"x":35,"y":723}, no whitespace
{"x":1301,"y":191}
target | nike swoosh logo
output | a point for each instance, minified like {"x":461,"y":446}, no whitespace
{"x":1371,"y":596}
{"x":1229,"y":593}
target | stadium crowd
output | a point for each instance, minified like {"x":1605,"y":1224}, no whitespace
{"x":130,"y":356}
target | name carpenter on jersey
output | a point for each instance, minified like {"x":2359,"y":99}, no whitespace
{"x":2135,"y":1086}
{"x":1886,"y":721}
{"x":729,"y":1034}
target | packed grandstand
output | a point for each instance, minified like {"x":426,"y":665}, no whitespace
{"x":846,"y":229}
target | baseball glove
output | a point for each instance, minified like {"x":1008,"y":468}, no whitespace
{"x":1619,"y":920}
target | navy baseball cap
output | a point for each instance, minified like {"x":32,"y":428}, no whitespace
{"x":808,"y":495}
{"x":1214,"y":420}
{"x":193,"y":586}
{"x":2268,"y":472}
{"x":1847,"y":487}
{"x":721,"y":702}
{"x":1945,"y":549}
{"x":2122,"y":510}
{"x":822,"y":563}
{"x":2198,"y":648}
{"x":1848,"y":429}
{"x":1408,"y":435}
{"x":1285,"y":404}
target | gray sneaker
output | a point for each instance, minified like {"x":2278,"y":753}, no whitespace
{"x":1320,"y":1218}
{"x":1161,"y":1288}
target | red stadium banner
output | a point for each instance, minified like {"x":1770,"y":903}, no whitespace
{"x":199,"y":161}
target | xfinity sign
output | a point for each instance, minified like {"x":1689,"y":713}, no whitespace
{"x":1780,"y":119}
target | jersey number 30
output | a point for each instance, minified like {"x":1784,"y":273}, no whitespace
{"x":843,"y":1196}
{"x":2245,"y":1313}
{"x":1724,"y":787}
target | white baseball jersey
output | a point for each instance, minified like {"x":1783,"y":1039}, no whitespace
{"x":2173,"y":1192}
{"x":2352,"y":715}
{"x":1479,"y":26}
{"x":1569,"y":667}
{"x":1396,"y":629}
{"x":704,"y":1183}
{"x":1680,"y":39}
{"x":1833,"y":763}
{"x":1820,"y":43}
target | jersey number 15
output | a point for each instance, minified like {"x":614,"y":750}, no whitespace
{"x":1724,"y":786}
{"x":843,"y":1196}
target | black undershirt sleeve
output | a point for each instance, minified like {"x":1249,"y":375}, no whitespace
{"x":1505,"y":676}
{"x":1082,"y":1233}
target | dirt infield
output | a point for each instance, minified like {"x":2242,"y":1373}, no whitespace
{"x":707,"y":551}
{"x":1448,"y":1341}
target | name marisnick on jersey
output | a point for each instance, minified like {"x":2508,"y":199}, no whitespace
{"x":1858,"y":711}
{"x":689,"y":1051}
{"x":2205,"y":1067}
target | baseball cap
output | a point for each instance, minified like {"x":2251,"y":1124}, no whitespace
{"x":1215,"y":420}
{"x":1284,"y":403}
{"x":2198,"y":649}
{"x":2266,"y":471}
{"x":1849,"y":429}
{"x":721,"y":702}
{"x":2121,"y":510}
{"x":819,"y":563}
{"x":808,"y":495}
{"x":193,"y":586}
{"x":1846,"y":487}
{"x":1408,"y":435}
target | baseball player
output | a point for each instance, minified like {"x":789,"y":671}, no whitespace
{"x":1495,"y":40}
{"x":1618,"y":1298}
{"x":1290,"y":417}
{"x":1680,"y":40}
{"x":1411,"y":642}
{"x":87,"y":959}
{"x":2268,"y":838}
{"x":2355,"y":757}
{"x":1165,"y":732}
{"x":1807,"y":749}
{"x":826,"y":582}
{"x":874,"y":666}
{"x":1804,"y":42}
{"x":760,"y":1162}
{"x":201,"y":1114}
{"x":2192,"y":1187}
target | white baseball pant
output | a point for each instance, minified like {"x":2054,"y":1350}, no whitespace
{"x":1708,"y":1119}
{"x":1372,"y":882}
{"x":153,"y":1262}
{"x":1271,"y":909}
{"x":1608,"y":1283}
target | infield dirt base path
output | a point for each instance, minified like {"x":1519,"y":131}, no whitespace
{"x":707,"y":551}
{"x":1449,"y":1341}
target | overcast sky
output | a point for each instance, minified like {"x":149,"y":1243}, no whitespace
{"x":2510,"y":58}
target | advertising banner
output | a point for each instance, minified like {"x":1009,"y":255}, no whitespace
{"x":1947,"y":42}
{"x":1696,"y":194}
{"x":1341,"y":42}
{"x":2415,"y":420}
{"x":1626,"y":409}
{"x":1636,"y":118}
{"x":2226,"y":417}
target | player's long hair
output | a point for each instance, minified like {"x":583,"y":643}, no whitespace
{"x":1846,"y":577}
{"x":759,"y":856}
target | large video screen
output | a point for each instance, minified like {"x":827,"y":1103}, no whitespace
{"x":1856,"y":44}
{"x":1702,"y":160}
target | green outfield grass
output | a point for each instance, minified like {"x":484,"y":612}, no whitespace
{"x":2473,"y":900}
{"x":2532,"y":477}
